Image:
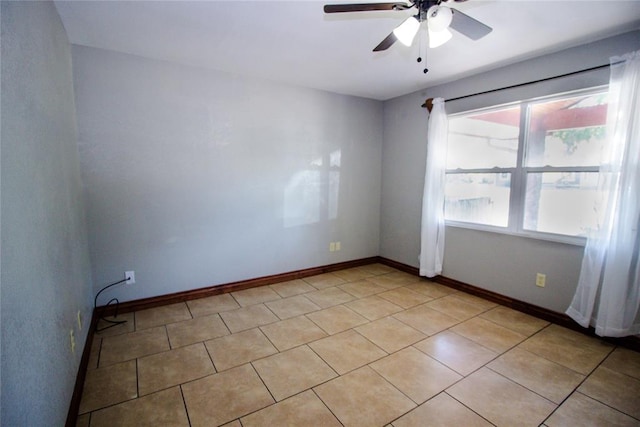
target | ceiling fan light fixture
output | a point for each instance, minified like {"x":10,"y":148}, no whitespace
{"x":406,"y":31}
{"x":438,"y":38}
{"x":439,"y":17}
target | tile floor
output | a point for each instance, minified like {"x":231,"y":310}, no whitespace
{"x":368,"y":346}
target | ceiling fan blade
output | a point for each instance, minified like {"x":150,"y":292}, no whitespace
{"x":364,"y":7}
{"x":468,"y":26}
{"x":386,"y":43}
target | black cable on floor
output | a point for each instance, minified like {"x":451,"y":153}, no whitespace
{"x":95,"y":304}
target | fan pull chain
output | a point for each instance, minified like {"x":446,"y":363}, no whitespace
{"x":419,"y":60}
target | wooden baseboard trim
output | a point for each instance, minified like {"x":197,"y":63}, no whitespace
{"x":183,"y":296}
{"x":560,"y":319}
{"x":74,"y":405}
{"x":399,"y":266}
{"x":534,"y":310}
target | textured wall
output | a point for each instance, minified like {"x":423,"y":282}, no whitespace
{"x":498,"y":262}
{"x":45,"y":277}
{"x":196,"y":178}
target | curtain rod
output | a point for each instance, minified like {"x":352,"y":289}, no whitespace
{"x":428,"y":104}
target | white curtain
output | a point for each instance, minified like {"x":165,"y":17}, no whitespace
{"x":432,"y":232}
{"x":608,"y":292}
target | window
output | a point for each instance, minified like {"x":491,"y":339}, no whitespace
{"x":529,"y":168}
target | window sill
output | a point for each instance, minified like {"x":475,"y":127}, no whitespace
{"x":556,"y":238}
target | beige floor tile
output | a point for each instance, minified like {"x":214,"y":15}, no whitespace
{"x":500,"y":400}
{"x":393,"y":280}
{"x":106,"y":330}
{"x":373,"y":307}
{"x":362,"y":288}
{"x":293,"y":371}
{"x":226,"y":396}
{"x":347,"y":351}
{"x":196,"y":330}
{"x":581,"y":410}
{"x":83,"y":420}
{"x":245,"y":318}
{"x":426,"y":320}
{"x":548,"y":379}
{"x":292,"y":332}
{"x":237,"y":349}
{"x":405,"y":297}
{"x":161,"y":315}
{"x":378,"y":269}
{"x":430,"y":289}
{"x":408,"y":352}
{"x":291,"y":307}
{"x":363,"y":398}
{"x":441,"y":411}
{"x":614,"y":389}
{"x":415,"y":374}
{"x":455,"y":307}
{"x":174,"y":367}
{"x":336,"y":319}
{"x":472,"y":299}
{"x":329,"y":297}
{"x":515,"y":320}
{"x":107,"y":386}
{"x":624,"y":361}
{"x":305,"y":409}
{"x":323,"y":281}
{"x":353,"y":274}
{"x":568,"y":348}
{"x":488,"y":334}
{"x":164,"y":408}
{"x":457,"y":352}
{"x":390,"y":334}
{"x":254,"y":296}
{"x":212,"y":305}
{"x":292,"y":288}
{"x":132,"y":345}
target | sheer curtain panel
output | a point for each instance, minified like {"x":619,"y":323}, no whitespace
{"x":608,"y":292}
{"x":432,"y":231}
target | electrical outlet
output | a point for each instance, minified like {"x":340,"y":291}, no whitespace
{"x":541,"y":280}
{"x":332,"y":247}
{"x":338,"y":246}
{"x":79,"y":317}
{"x":130,"y":276}
{"x":72,"y":340}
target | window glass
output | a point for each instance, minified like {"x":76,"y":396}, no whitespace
{"x":567,"y":131}
{"x":484,"y":140}
{"x":561,"y":202}
{"x":540,"y":179}
{"x":481,"y":198}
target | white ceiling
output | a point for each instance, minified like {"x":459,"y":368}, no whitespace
{"x":296,"y":43}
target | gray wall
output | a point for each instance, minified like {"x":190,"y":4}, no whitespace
{"x":501,"y":263}
{"x":45,"y":277}
{"x":196,"y":178}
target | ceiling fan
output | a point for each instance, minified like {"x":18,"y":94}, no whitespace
{"x":439,"y":19}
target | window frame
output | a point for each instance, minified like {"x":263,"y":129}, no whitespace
{"x":519,"y":173}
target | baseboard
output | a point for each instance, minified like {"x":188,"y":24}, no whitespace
{"x":560,"y":319}
{"x":74,"y":405}
{"x":399,"y":266}
{"x":534,"y":310}
{"x":142,"y":304}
